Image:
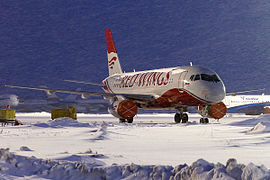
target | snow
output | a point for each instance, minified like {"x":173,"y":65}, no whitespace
{"x":98,"y":147}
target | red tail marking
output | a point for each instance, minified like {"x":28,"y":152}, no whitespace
{"x":110,"y":43}
{"x":111,"y":64}
{"x":113,"y":59}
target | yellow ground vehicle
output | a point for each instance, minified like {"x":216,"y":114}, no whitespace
{"x":8,"y":116}
{"x":71,"y":112}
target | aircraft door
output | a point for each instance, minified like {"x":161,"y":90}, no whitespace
{"x":181,"y":81}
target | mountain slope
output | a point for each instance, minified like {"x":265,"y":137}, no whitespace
{"x":42,"y":41}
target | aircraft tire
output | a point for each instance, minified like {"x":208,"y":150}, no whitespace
{"x":204,"y":120}
{"x":130,"y":120}
{"x":121,"y":120}
{"x":184,"y":118}
{"x":177,"y":118}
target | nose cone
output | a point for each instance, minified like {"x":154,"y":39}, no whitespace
{"x":214,"y":93}
{"x":206,"y":85}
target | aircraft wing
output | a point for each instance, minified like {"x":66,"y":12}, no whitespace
{"x":85,"y":94}
{"x":82,"y":82}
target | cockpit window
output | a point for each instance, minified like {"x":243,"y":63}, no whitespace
{"x":197,"y":77}
{"x":216,"y":78}
{"x":205,"y":77}
{"x":191,"y":77}
{"x":211,"y":78}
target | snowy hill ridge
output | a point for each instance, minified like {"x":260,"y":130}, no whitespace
{"x":15,"y":166}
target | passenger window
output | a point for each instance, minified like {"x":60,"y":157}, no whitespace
{"x":197,"y":77}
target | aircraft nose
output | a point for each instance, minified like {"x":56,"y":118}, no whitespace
{"x":215,"y":95}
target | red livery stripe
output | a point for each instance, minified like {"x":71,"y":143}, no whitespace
{"x":110,"y":43}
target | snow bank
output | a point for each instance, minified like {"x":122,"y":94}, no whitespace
{"x":259,"y":128}
{"x":62,"y":122}
{"x":14,"y":166}
{"x":259,"y":124}
{"x":25,"y":148}
{"x":253,"y":121}
{"x":33,"y":114}
{"x":262,"y":124}
{"x":98,"y":134}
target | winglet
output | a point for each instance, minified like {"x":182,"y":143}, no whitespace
{"x":113,"y":60}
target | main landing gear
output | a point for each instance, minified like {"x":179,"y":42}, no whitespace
{"x":181,"y":117}
{"x":121,"y":120}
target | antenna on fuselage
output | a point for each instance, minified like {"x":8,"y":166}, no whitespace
{"x":190,"y":63}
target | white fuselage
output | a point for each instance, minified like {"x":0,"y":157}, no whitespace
{"x":177,"y":85}
{"x":240,"y":100}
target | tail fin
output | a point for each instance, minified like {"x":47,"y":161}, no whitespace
{"x":113,"y":60}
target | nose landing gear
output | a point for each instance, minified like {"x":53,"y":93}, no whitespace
{"x":121,"y":120}
{"x":203,"y":110}
{"x":204,"y":120}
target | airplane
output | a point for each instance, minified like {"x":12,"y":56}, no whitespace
{"x":248,"y":104}
{"x":167,"y":88}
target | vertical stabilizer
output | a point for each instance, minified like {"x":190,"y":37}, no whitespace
{"x":113,"y":60}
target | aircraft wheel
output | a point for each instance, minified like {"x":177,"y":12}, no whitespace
{"x":204,"y":120}
{"x":130,"y":120}
{"x":177,"y":118}
{"x":184,"y":118}
{"x":121,"y":120}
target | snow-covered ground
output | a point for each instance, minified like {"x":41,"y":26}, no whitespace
{"x":153,"y":146}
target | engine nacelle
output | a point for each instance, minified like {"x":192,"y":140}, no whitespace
{"x":125,"y":109}
{"x":216,"y":111}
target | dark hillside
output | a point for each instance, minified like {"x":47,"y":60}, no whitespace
{"x":42,"y":41}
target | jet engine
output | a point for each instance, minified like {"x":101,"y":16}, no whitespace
{"x":216,"y":111}
{"x":125,"y":109}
